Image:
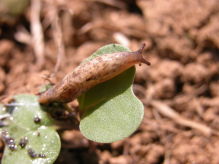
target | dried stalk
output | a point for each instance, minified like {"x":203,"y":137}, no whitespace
{"x":169,"y":112}
{"x":37,"y":32}
{"x":58,"y":37}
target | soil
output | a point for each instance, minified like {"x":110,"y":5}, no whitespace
{"x":182,"y":38}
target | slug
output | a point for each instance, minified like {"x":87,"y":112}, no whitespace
{"x":91,"y":73}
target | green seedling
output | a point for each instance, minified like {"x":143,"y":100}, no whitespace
{"x":30,"y":136}
{"x":109,"y":111}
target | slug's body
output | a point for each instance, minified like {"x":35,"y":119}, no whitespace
{"x":91,"y":73}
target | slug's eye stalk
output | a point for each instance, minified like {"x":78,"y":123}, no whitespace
{"x":141,"y":48}
{"x":140,"y":53}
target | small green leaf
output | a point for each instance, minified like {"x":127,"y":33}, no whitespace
{"x":42,"y":138}
{"x":44,"y":141}
{"x":111,"y":111}
{"x":26,"y":110}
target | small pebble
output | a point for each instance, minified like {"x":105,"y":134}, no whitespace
{"x":41,"y":155}
{"x":32,"y":153}
{"x":12,"y":146}
{"x":23,"y":142}
{"x":37,"y":119}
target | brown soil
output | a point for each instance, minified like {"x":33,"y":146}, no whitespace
{"x":182,"y":37}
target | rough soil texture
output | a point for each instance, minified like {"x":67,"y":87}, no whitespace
{"x":182,"y":37}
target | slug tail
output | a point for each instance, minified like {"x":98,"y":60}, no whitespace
{"x":140,"y":53}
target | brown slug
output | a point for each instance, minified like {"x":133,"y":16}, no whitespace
{"x":91,"y":73}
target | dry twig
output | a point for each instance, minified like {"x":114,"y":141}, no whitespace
{"x":23,"y":36}
{"x":37,"y":32}
{"x":121,"y":39}
{"x":58,"y":37}
{"x":57,"y":34}
{"x":167,"y":111}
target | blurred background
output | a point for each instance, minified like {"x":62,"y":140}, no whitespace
{"x":180,"y":90}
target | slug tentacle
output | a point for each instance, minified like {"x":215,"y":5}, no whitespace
{"x":91,"y":73}
{"x":141,"y":56}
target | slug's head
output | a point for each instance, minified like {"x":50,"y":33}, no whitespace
{"x":140,"y":55}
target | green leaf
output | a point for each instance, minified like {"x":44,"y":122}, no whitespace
{"x":26,"y":110}
{"x":42,"y":138}
{"x":110,"y":110}
{"x":42,"y":141}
